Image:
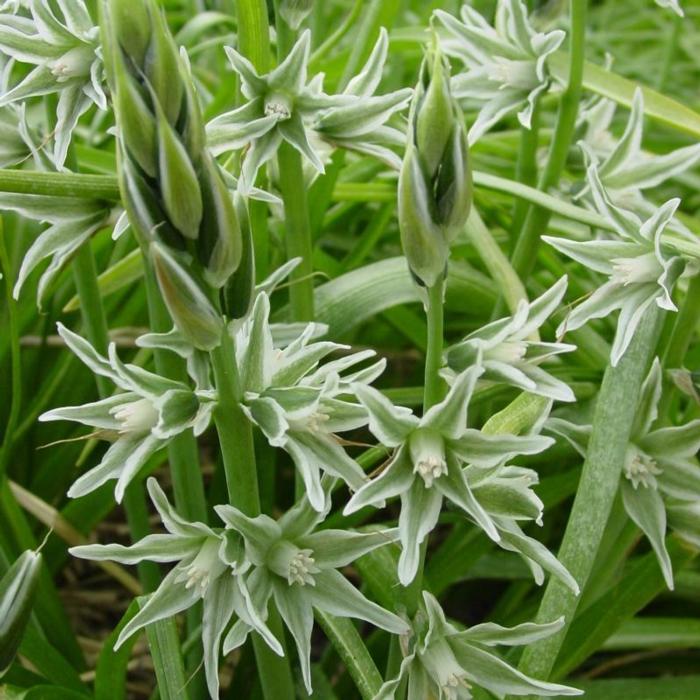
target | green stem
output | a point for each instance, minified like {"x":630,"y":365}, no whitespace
{"x":297,"y":232}
{"x":434,"y":388}
{"x":352,"y":650}
{"x":235,"y":431}
{"x":254,"y":32}
{"x":77,"y":185}
{"x":96,"y":329}
{"x":337,"y":35}
{"x":183,"y":452}
{"x":526,"y":168}
{"x":13,"y":331}
{"x":238,"y":453}
{"x":525,"y":252}
{"x":685,"y":326}
{"x":433,"y":393}
{"x":683,"y":331}
{"x":496,"y":261}
{"x":612,"y":425}
{"x":91,"y":309}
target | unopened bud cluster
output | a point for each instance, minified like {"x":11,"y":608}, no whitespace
{"x":174,"y":191}
{"x":435,"y":186}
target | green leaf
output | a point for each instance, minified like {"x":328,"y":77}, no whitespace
{"x":639,"y":586}
{"x":110,"y":674}
{"x":609,"y":84}
{"x":353,"y":652}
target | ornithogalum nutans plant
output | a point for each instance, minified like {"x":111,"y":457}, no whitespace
{"x":349,"y":349}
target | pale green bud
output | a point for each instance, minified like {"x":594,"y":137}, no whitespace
{"x":179,"y":186}
{"x":238,"y":293}
{"x":194,"y":315}
{"x":294,"y":12}
{"x":162,"y":67}
{"x":424,"y":244}
{"x":131,"y":26}
{"x":220,"y":242}
{"x":435,"y":186}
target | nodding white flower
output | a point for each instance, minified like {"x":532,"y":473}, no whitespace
{"x":660,"y":475}
{"x":505,"y":65}
{"x":297,"y":567}
{"x":283,"y":105}
{"x":62,"y":41}
{"x":300,"y":404}
{"x":441,"y":661}
{"x":626,"y":170}
{"x":640,"y":271}
{"x":509,"y":350}
{"x":144,"y":416}
{"x":209,"y":567}
{"x":438,"y":457}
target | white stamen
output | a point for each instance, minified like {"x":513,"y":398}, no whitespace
{"x":294,"y":564}
{"x":516,"y":74}
{"x":640,"y":468}
{"x":278,"y":105}
{"x":428,"y":454}
{"x":205,"y":567}
{"x":643,"y":268}
{"x":508,"y":352}
{"x":136,"y":416}
{"x":72,"y":64}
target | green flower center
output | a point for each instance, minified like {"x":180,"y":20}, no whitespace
{"x":440,"y":662}
{"x":205,"y":567}
{"x":75,"y":63}
{"x":136,"y":416}
{"x":643,"y":268}
{"x":295,"y":564}
{"x":509,"y":352}
{"x":427,"y":448}
{"x":640,"y":468}
{"x":279,"y":105}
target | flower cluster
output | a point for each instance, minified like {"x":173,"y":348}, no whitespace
{"x":64,"y":47}
{"x":284,"y":105}
{"x":505,"y":65}
{"x":660,"y":478}
{"x":641,"y":270}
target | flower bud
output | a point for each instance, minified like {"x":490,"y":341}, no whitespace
{"x":435,"y":187}
{"x":162,"y":67}
{"x":193,"y":313}
{"x":180,"y":191}
{"x":131,"y":25}
{"x":294,"y":12}
{"x":238,"y":293}
{"x":219,"y":245}
{"x":17,"y":589}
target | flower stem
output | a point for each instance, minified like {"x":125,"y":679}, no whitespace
{"x":499,"y":267}
{"x":254,"y":32}
{"x":612,"y":424}
{"x":238,"y":453}
{"x":235,"y":431}
{"x":685,"y":326}
{"x":297,"y":232}
{"x":434,"y":388}
{"x":77,"y":185}
{"x":13,"y":332}
{"x":525,"y":252}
